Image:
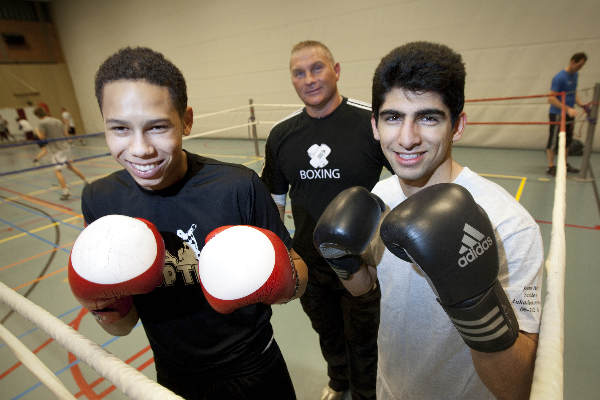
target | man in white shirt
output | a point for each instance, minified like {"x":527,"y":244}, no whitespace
{"x":442,"y":276}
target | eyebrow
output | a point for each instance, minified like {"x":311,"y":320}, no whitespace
{"x":116,"y":121}
{"x":318,"y":62}
{"x":152,"y":121}
{"x":419,"y":113}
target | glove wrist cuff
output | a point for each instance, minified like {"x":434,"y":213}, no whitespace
{"x":490,"y":324}
{"x":345,"y":267}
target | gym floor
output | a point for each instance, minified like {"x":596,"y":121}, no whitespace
{"x":37,"y":231}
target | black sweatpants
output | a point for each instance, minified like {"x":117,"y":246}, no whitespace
{"x":258,"y":376}
{"x":552,"y":142}
{"x":347,"y":328}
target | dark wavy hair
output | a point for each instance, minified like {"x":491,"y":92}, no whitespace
{"x":578,"y":57}
{"x":422,"y":67}
{"x":142,"y":63}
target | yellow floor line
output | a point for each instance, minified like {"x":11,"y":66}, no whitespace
{"x":523,"y":179}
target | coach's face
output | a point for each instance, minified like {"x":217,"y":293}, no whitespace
{"x":416,"y":135}
{"x":315,"y":77}
{"x":144,"y":132}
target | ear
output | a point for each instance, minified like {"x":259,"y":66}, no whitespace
{"x":188,"y":121}
{"x":374,"y":127}
{"x":459,"y":127}
{"x":337,"y":70}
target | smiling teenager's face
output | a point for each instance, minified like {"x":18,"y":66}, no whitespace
{"x":144,"y":132}
{"x":416,"y":135}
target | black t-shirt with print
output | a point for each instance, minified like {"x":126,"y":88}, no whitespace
{"x":317,"y":158}
{"x":183,"y":330}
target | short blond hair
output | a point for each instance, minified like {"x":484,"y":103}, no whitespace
{"x":305,"y":44}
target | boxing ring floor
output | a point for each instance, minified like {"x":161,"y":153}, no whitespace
{"x":34,"y":222}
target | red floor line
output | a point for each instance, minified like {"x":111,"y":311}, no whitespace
{"x":140,"y":368}
{"x":35,"y":256}
{"x":594,"y":228}
{"x":18,"y":364}
{"x":129,"y":360}
{"x":86,"y":388}
{"x":37,"y":350}
{"x":41,"y":201}
{"x":29,"y":222}
{"x":41,"y":278}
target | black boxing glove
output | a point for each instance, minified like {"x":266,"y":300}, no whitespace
{"x":346,"y":228}
{"x":445,"y":233}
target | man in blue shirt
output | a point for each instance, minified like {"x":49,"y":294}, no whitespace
{"x":564,"y":81}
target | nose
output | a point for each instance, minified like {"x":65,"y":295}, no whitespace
{"x":140,"y":146}
{"x":309,"y":79}
{"x":408,"y":135}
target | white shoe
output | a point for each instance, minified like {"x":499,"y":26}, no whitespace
{"x":330,"y":394}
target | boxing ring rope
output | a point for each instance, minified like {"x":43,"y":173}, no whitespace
{"x":548,"y":375}
{"x":129,"y":380}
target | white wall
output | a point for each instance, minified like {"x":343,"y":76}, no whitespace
{"x":233,"y":50}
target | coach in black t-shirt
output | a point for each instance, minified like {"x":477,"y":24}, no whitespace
{"x":199,"y":353}
{"x":317,"y":152}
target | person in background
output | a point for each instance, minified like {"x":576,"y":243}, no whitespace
{"x":564,"y":81}
{"x":4,"y":132}
{"x":60,"y":150}
{"x":315,"y":153}
{"x":67,"y":119}
{"x":25,"y":126}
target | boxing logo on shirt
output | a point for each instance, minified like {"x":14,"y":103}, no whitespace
{"x":318,"y":159}
{"x":318,"y":155}
{"x":181,"y":257}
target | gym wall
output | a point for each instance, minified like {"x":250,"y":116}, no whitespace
{"x":233,"y":50}
{"x":32,"y":66}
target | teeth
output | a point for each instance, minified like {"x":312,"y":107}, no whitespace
{"x":144,"y":167}
{"x":408,"y":156}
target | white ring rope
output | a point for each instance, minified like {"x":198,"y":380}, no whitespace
{"x":548,"y":373}
{"x":199,"y":116}
{"x":229,"y":128}
{"x":130,"y":381}
{"x":219,"y":130}
{"x":278,"y":105}
{"x":220,"y":112}
{"x":35,"y":365}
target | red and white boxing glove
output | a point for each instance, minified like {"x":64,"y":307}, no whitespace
{"x":112,"y":259}
{"x":241,"y":265}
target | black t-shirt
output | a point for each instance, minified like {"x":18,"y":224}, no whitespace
{"x":183,"y":330}
{"x":318,"y":158}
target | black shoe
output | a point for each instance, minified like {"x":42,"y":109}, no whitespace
{"x":571,"y":170}
{"x":551,"y":170}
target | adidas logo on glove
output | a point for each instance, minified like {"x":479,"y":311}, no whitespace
{"x":474,"y":244}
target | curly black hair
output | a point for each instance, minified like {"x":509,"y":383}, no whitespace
{"x":422,"y":67}
{"x":142,"y":63}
